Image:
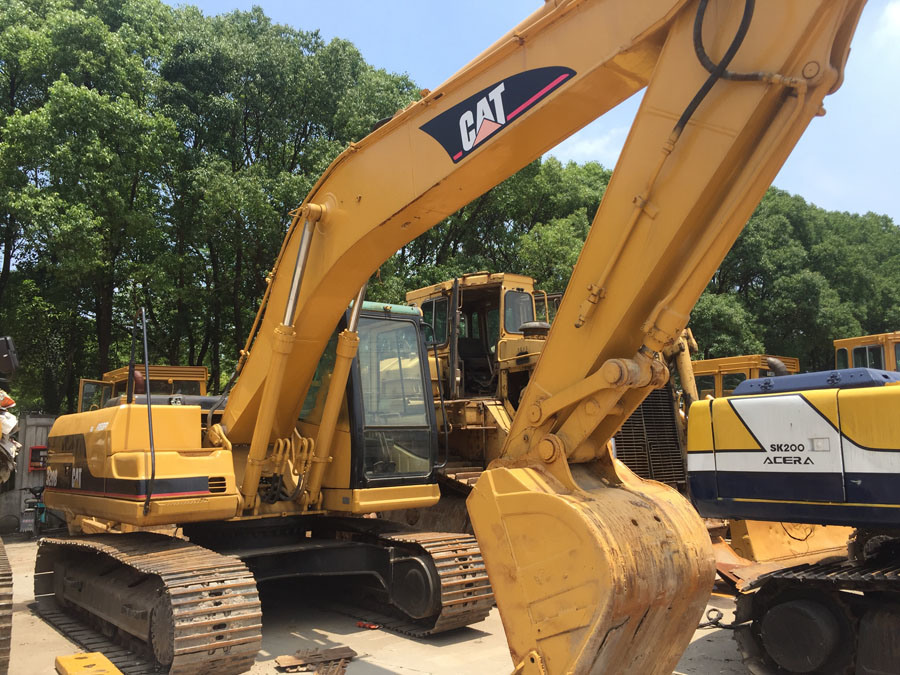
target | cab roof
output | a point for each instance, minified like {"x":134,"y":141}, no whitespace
{"x":388,"y":308}
{"x":729,"y":364}
{"x":473,"y":280}
{"x":198,"y":373}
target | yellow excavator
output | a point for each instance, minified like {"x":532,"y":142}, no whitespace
{"x":592,"y":568}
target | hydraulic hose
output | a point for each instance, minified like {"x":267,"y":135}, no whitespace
{"x":718,"y":70}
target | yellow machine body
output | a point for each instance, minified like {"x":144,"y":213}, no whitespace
{"x":100,"y":466}
{"x":593,"y":569}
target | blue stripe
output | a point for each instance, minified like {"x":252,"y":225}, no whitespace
{"x":703,"y":485}
{"x":863,"y":488}
{"x":778,"y":485}
{"x":873,"y":488}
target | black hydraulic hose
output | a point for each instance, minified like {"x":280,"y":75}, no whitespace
{"x":716,"y":70}
{"x":296,"y":491}
{"x":149,"y":415}
{"x":703,"y":57}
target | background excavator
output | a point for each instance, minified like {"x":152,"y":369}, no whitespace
{"x":817,"y":449}
{"x":593,"y":569}
{"x":489,"y":330}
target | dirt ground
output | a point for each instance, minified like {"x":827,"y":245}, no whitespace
{"x":294,"y":619}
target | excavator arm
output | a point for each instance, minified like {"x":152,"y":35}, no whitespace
{"x":593,"y":569}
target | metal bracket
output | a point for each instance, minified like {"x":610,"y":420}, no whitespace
{"x":613,"y":374}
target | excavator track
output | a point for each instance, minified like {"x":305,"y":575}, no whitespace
{"x":843,"y":588}
{"x":466,"y":594}
{"x":6,"y":602}
{"x":465,"y":591}
{"x":451,"y":591}
{"x":207,"y":617}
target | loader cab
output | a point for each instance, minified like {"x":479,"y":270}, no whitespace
{"x":488,"y":333}
{"x":880,"y":351}
{"x":720,"y":377}
{"x":165,"y":381}
{"x":387,"y":419}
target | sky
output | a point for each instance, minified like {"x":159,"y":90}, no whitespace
{"x":846,"y":161}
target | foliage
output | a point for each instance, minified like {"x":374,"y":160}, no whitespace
{"x":149,"y":156}
{"x":799,"y":277}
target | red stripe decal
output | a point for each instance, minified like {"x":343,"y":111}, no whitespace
{"x":534,"y":98}
{"x":119,"y":495}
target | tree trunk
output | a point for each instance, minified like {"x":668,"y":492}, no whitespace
{"x":236,"y":308}
{"x":216,"y":328}
{"x":104,"y":314}
{"x":9,"y":241}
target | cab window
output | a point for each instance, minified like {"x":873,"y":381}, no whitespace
{"x":518,"y":308}
{"x":730,"y":381}
{"x":868,"y":356}
{"x":897,"y":356}
{"x":840,"y":359}
{"x":94,"y":394}
{"x":434,"y":313}
{"x":493,"y":328}
{"x":397,"y":434}
{"x":468,"y":326}
{"x":706,"y":385}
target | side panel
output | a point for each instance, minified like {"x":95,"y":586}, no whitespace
{"x":701,"y":458}
{"x":861,"y":423}
{"x":870,"y":424}
{"x":779,"y":447}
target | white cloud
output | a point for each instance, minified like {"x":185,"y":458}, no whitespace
{"x":887,"y":32}
{"x":592,"y":144}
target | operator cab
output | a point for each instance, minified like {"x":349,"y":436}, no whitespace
{"x":387,"y":417}
{"x":719,"y":377}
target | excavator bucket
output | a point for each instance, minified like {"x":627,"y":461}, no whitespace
{"x":603,"y":578}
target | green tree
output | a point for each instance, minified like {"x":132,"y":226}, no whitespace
{"x":724,"y":327}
